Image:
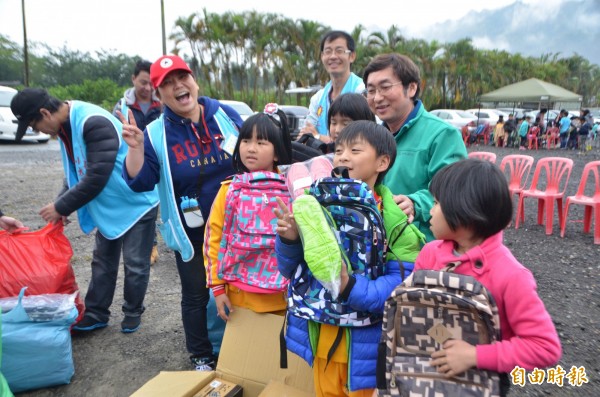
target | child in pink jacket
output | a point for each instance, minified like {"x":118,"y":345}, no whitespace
{"x":472,"y":206}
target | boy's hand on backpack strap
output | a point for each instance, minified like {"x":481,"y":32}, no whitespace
{"x":286,"y":225}
{"x":456,"y":357}
{"x":222,"y":301}
{"x":406,"y":205}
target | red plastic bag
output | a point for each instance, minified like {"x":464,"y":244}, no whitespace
{"x":39,"y":260}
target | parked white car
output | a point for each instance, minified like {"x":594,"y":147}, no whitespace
{"x":550,"y":115}
{"x":458,"y":118}
{"x":490,"y":116}
{"x":242,"y":108}
{"x":8,"y":121}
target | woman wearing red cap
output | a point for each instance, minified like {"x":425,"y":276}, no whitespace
{"x":182,"y":153}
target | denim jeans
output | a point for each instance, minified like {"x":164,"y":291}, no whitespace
{"x":563,"y":140}
{"x":194,"y":300}
{"x":136,"y":245}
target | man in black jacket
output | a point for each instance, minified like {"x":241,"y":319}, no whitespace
{"x":93,"y":153}
{"x":510,"y":126}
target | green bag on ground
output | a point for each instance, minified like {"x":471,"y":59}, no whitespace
{"x":4,"y":389}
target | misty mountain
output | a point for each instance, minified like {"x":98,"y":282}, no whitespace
{"x":569,"y":27}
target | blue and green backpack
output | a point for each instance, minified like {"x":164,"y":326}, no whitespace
{"x":352,"y":211}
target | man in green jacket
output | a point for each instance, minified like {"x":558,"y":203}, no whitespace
{"x":425,"y":143}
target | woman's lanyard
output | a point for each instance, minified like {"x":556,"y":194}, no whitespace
{"x":205,"y":140}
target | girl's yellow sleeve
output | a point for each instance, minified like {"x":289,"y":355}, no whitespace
{"x":212,"y":236}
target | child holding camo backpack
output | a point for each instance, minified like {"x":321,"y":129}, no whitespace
{"x":336,"y":329}
{"x":239,"y":240}
{"x":469,"y":232}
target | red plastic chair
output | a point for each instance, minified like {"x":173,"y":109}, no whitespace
{"x":532,"y":138}
{"x":557,"y":171}
{"x":489,"y":156}
{"x":466,"y":135}
{"x":485,"y":134}
{"x":591,"y":203}
{"x":552,"y":138}
{"x":517,"y":167}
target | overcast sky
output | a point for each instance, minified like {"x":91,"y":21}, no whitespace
{"x":134,"y":26}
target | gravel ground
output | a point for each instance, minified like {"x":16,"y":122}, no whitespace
{"x":109,"y":363}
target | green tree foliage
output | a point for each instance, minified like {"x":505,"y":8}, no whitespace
{"x":11,"y":61}
{"x":103,"y":92}
{"x":255,"y":57}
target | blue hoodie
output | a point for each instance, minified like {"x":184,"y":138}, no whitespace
{"x":196,"y":169}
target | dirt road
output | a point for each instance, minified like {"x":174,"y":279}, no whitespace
{"x":110,"y":363}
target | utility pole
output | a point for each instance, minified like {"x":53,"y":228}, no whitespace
{"x":162,"y":19}
{"x":25,"y":51}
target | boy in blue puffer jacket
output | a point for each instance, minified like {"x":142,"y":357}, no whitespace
{"x":344,"y":357}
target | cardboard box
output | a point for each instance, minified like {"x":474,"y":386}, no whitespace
{"x":175,"y":384}
{"x":249,"y":357}
{"x":278,"y":389}
{"x":220,"y":388}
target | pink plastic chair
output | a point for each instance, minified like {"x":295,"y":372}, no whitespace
{"x":591,"y":203}
{"x":557,"y":171}
{"x":489,"y":156}
{"x":532,"y":138}
{"x":552,"y":138}
{"x":517,"y":167}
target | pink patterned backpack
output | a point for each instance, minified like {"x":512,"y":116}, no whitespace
{"x":247,"y":250}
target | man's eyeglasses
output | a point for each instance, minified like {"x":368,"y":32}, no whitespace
{"x":382,"y":89}
{"x":338,"y":51}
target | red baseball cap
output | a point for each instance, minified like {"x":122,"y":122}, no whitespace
{"x":165,"y":65}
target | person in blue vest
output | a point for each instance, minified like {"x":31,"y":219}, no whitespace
{"x":337,"y":54}
{"x":185,"y":153}
{"x":145,"y":107}
{"x":93,"y":153}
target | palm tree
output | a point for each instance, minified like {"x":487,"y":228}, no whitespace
{"x":391,"y":41}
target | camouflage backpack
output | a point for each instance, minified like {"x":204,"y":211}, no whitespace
{"x":427,"y":309}
{"x":351,"y":209}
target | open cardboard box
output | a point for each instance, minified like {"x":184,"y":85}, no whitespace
{"x":249,"y":357}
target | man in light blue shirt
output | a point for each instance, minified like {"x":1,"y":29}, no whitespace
{"x":564,"y":125}
{"x":337,"y":54}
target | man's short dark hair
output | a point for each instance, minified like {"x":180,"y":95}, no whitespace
{"x":403,"y":67}
{"x":142,"y":66}
{"x":336,"y":34}
{"x":473,"y":194}
{"x":377,"y":136}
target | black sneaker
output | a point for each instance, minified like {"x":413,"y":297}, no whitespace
{"x":130,"y":324}
{"x":87,"y":324}
{"x":203,"y":363}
